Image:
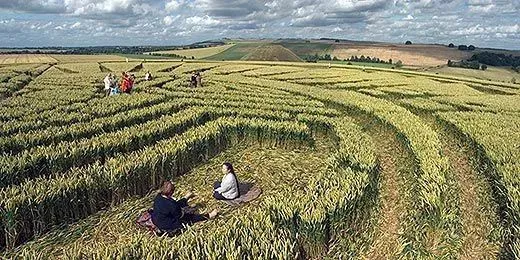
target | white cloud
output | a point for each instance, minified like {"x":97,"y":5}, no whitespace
{"x":479,"y":30}
{"x":75,"y":25}
{"x":173,"y":5}
{"x":409,"y":18}
{"x":354,"y":6}
{"x":202,"y":21}
{"x":482,"y":8}
{"x":45,"y":26}
{"x":168,"y":20}
{"x":35,"y":6}
{"x":10,"y":27}
{"x":93,"y":9}
{"x":490,"y":7}
{"x":155,"y":21}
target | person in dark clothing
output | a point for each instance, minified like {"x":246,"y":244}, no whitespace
{"x":198,"y":79}
{"x":168,"y":215}
{"x":193,"y":81}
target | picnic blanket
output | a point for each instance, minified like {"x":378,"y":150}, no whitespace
{"x":145,"y":220}
{"x":248,"y":192}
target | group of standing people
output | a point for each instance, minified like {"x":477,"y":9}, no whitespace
{"x":168,"y":215}
{"x":126,"y":83}
{"x":115,"y":87}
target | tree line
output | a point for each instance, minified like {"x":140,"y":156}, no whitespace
{"x":105,"y":49}
{"x":467,"y":64}
{"x":367,"y":59}
{"x":496,"y":59}
{"x":89,"y":50}
{"x":462,"y":47}
{"x":483,"y":59}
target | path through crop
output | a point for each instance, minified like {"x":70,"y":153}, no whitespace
{"x":396,"y":165}
{"x":480,"y":222}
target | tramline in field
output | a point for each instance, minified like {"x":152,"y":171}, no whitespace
{"x":78,"y":167}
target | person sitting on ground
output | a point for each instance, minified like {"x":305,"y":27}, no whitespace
{"x":108,"y":84}
{"x":167,"y":214}
{"x":114,"y":91}
{"x":114,"y":88}
{"x":148,"y":76}
{"x":228,"y":188}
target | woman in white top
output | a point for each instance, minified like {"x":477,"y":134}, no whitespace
{"x":228,"y":188}
{"x":108,"y":83}
{"x":148,"y":76}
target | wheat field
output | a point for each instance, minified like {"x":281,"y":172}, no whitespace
{"x":354,"y":162}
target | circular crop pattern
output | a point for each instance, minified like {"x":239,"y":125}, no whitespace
{"x":353,"y":162}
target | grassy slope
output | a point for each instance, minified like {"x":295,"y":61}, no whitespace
{"x":272,"y":52}
{"x":25,"y":58}
{"x":256,"y":51}
{"x":366,"y":64}
{"x":237,"y":51}
{"x":303,"y":49}
{"x":199,"y":53}
{"x":146,"y":57}
{"x":492,"y":73}
{"x":416,"y":55}
{"x":87,"y":58}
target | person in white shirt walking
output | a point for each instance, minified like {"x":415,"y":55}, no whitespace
{"x":228,"y":188}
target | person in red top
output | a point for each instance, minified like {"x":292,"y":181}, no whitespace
{"x":131,"y":80}
{"x":125,"y":82}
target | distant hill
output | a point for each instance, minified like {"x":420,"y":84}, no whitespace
{"x":307,"y":48}
{"x":421,"y":55}
{"x":256,"y":50}
{"x":294,"y":49}
{"x":239,"y":50}
{"x":274,"y":52}
{"x":197,"y":53}
{"x":414,"y":55}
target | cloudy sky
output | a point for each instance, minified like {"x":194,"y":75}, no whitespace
{"x":486,"y":23}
